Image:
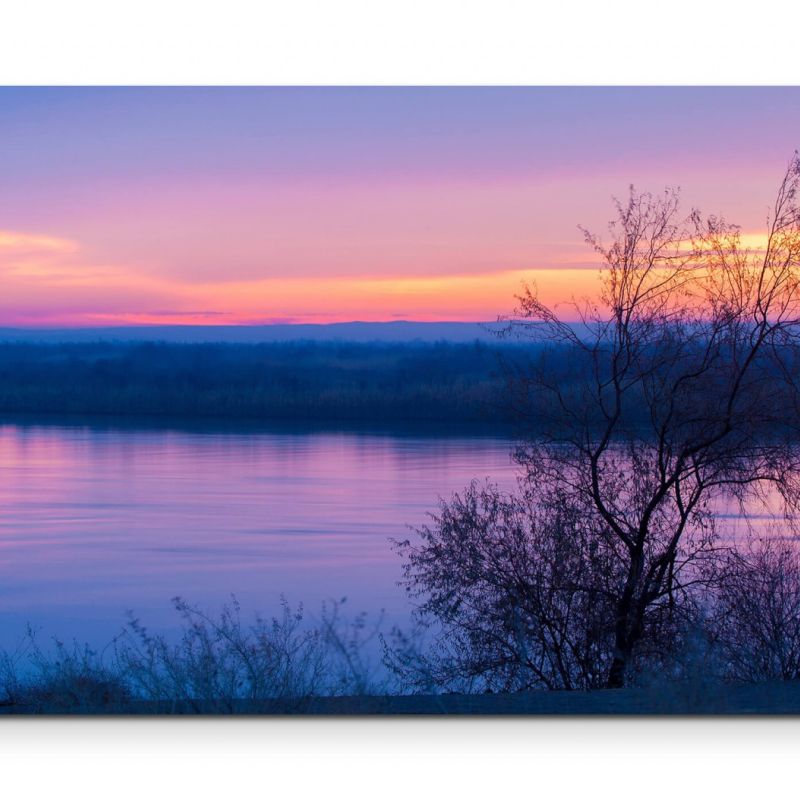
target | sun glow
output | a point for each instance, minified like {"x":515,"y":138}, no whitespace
{"x":49,"y":281}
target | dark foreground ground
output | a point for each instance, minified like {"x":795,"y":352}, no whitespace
{"x":671,"y":699}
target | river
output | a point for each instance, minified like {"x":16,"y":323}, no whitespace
{"x":101,"y":518}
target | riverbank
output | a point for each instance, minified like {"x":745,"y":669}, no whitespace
{"x":682,"y":699}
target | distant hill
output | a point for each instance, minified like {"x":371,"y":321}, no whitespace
{"x":400,"y":331}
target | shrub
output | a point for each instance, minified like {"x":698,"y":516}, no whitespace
{"x":219,"y":664}
{"x":756,"y":610}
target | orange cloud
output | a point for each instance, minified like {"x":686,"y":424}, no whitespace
{"x":21,"y":244}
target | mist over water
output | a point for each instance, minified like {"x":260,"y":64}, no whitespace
{"x":99,"y":520}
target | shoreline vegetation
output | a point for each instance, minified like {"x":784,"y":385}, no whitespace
{"x":223,"y":664}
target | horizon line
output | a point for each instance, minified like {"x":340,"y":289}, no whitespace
{"x":285,"y":324}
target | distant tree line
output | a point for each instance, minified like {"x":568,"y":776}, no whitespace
{"x":419,"y":382}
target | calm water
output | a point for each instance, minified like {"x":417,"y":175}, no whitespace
{"x":98,"y":520}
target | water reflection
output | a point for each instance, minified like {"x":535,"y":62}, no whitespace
{"x":100,"y":519}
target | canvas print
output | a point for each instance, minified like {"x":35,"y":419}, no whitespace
{"x":399,"y":400}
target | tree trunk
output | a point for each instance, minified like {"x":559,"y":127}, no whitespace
{"x":629,"y":624}
{"x":626,"y":629}
{"x":629,"y":630}
{"x":622,"y":652}
{"x":616,"y":675}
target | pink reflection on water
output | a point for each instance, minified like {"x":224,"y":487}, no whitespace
{"x":100,"y":520}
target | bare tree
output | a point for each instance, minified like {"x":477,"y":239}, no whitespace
{"x":679,"y":390}
{"x":671,"y":392}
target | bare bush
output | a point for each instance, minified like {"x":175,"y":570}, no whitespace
{"x":65,"y":679}
{"x":521,"y":591}
{"x":756,"y":611}
{"x":219,"y":664}
{"x":220,"y":661}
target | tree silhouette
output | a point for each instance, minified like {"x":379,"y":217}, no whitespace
{"x":674,"y":390}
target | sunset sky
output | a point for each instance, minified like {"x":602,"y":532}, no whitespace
{"x":250,"y":206}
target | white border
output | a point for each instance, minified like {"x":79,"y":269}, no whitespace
{"x":400,"y":42}
{"x":398,"y":758}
